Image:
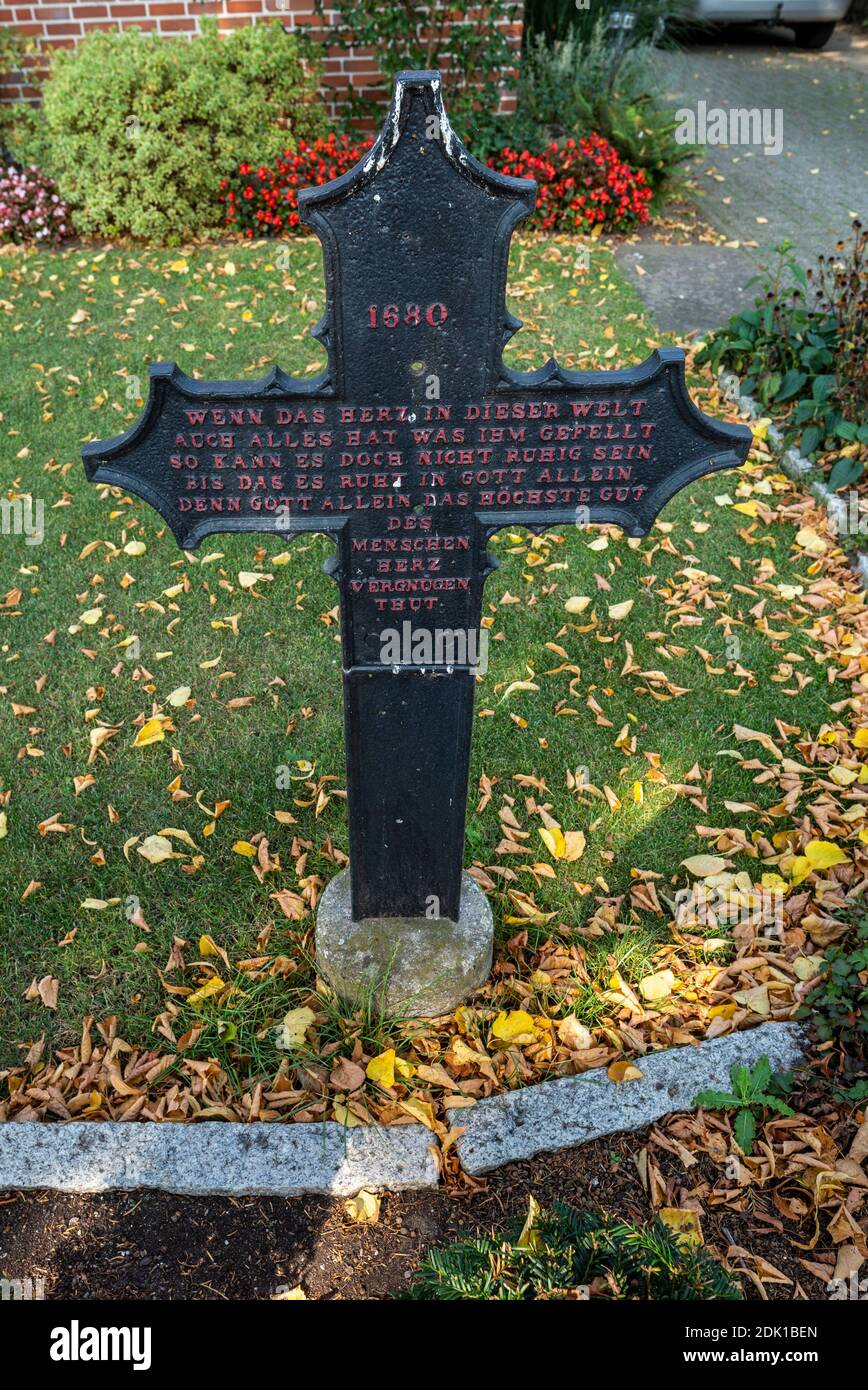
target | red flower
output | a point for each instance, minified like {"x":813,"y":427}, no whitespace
{"x":611,"y":193}
{"x":251,"y":207}
{"x":580,"y":184}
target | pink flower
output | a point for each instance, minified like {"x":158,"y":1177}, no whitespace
{"x":28,"y":203}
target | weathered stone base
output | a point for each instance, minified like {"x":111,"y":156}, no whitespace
{"x":412,"y":965}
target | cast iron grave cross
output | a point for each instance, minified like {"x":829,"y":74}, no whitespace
{"x":410,"y":449}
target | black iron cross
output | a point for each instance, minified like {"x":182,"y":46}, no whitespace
{"x":412,"y":447}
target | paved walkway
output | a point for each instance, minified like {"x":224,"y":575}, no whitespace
{"x":813,"y":189}
{"x":809,"y":193}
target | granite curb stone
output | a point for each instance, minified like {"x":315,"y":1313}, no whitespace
{"x":287,"y":1160}
{"x":575,"y":1109}
{"x":216,"y":1159}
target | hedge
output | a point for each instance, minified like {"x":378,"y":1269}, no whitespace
{"x":141,"y":129}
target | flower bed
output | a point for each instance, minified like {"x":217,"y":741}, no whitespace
{"x":31,"y":209}
{"x":264,"y":201}
{"x":583,"y":184}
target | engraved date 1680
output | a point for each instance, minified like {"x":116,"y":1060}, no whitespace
{"x":408,"y":315}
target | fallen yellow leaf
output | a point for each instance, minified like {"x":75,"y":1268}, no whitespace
{"x":653,"y":988}
{"x":156,"y":849}
{"x":206,"y":991}
{"x":150,"y":732}
{"x":704,"y":865}
{"x":617,"y":611}
{"x":821,"y":854}
{"x":420,"y":1110}
{"x":684,"y":1224}
{"x":364,"y":1207}
{"x":624,"y":1071}
{"x":553,"y":839}
{"x":574,"y":845}
{"x":290,"y":1034}
{"x":510,"y":1027}
{"x":756,"y":999}
{"x":382,"y":1068}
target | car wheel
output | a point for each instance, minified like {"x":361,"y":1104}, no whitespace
{"x":813,"y":35}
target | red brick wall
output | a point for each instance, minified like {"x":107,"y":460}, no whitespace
{"x":62,"y":25}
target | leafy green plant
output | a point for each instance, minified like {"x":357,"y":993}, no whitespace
{"x":643,"y":132}
{"x":838,"y":1007}
{"x":559,"y":19}
{"x":753,"y":1088}
{"x":471,"y":46}
{"x":562,"y":1250}
{"x":840,"y":284}
{"x":24,"y":136}
{"x":590,"y":83}
{"x":13,"y":46}
{"x":856,"y":1094}
{"x":802,"y":348}
{"x":143,"y":128}
{"x":22,"y":126}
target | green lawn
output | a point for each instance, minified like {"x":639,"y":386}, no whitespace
{"x":75,"y":328}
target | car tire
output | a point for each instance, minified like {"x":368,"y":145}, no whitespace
{"x":814,"y":35}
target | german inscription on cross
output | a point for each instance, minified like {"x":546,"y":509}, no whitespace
{"x":413,"y":446}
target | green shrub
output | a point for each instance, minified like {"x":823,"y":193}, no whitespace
{"x":471,"y":46}
{"x":802,"y":349}
{"x":13,"y":47}
{"x":142,"y":128}
{"x":22,"y":127}
{"x":561,"y":1250}
{"x":588,"y":83}
{"x":840,"y":285}
{"x":24,"y":135}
